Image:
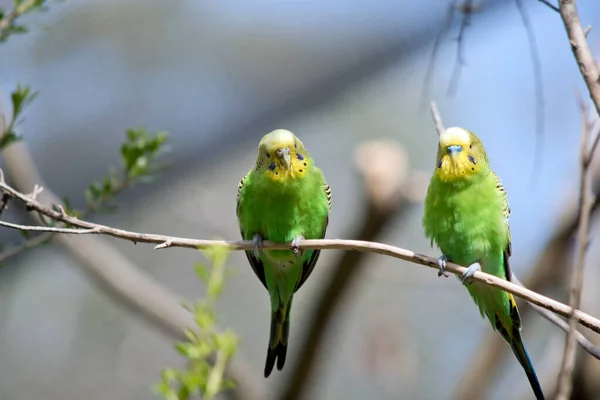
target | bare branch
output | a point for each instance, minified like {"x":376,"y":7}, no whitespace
{"x":354,"y":245}
{"x":466,"y":9}
{"x":434,"y":52}
{"x":582,"y":340}
{"x":125,"y":281}
{"x":552,"y":6}
{"x":49,"y":229}
{"x":439,"y":126}
{"x":538,"y":86}
{"x":590,"y":72}
{"x":565,"y":380}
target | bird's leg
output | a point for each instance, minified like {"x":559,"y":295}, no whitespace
{"x":441,"y":262}
{"x":257,"y":241}
{"x":296,"y":244}
{"x":470,"y":272}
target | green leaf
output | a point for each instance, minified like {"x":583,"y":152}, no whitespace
{"x":202,"y":272}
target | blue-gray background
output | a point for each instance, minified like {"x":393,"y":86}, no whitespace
{"x":219,"y":75}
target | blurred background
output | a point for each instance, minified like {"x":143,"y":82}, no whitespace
{"x":218,"y":76}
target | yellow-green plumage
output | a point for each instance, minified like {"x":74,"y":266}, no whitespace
{"x":466,"y":215}
{"x":284,"y":199}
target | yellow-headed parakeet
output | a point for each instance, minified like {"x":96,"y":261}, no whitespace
{"x":283,"y":199}
{"x":466,"y":215}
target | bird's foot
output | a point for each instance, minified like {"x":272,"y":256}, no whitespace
{"x":257,"y":240}
{"x":470,"y":272}
{"x":296,"y":245}
{"x":441,"y":262}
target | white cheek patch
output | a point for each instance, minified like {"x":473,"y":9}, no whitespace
{"x":455,"y":135}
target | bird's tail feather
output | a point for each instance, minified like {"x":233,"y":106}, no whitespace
{"x":280,"y":329}
{"x":512,"y":335}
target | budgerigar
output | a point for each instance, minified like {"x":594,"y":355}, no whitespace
{"x":466,"y":215}
{"x":283,"y":199}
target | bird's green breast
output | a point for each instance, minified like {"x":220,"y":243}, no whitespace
{"x":466,"y":222}
{"x":280,"y":211}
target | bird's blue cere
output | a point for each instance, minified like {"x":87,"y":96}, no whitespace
{"x":453,"y":149}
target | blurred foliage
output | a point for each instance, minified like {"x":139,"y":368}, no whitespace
{"x":206,"y":351}
{"x":8,"y":25}
{"x":138,"y":156}
{"x":21,"y":98}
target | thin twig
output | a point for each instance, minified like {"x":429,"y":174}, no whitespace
{"x":565,"y":380}
{"x":435,"y":114}
{"x":590,"y":73}
{"x":552,"y":6}
{"x":7,"y":22}
{"x":445,"y":26}
{"x":538,"y":88}
{"x":50,"y":229}
{"x":164,"y":241}
{"x":588,"y":346}
{"x":124,"y":281}
{"x":466,"y":9}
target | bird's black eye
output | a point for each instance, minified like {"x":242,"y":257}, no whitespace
{"x":470,"y":146}
{"x":268,"y":155}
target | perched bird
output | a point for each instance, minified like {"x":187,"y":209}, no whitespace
{"x":283,"y":199}
{"x":466,"y":215}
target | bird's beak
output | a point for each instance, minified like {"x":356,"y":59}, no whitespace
{"x":284,"y":156}
{"x":453,"y":150}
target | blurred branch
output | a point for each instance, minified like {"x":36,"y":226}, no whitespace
{"x":467,"y":8}
{"x":8,"y":21}
{"x":57,"y":213}
{"x":538,"y":84}
{"x":591,"y":75}
{"x":588,"y":346}
{"x":445,"y":26}
{"x":123,"y":278}
{"x":565,"y":380}
{"x":550,"y":5}
{"x":383,"y":176}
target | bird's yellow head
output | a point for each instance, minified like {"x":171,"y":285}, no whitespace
{"x":282,"y":156}
{"x":461,"y":156}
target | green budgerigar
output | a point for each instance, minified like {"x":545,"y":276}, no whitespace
{"x":466,"y":215}
{"x":283,"y":199}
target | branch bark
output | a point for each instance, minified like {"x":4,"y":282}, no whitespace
{"x":590,"y":73}
{"x":123,"y":278}
{"x":164,"y":241}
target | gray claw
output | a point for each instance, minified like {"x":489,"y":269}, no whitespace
{"x":470,"y":272}
{"x":296,"y":245}
{"x":441,"y":262}
{"x":257,"y":241}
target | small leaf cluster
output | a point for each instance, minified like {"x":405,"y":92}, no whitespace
{"x":139,"y":152}
{"x":21,"y":98}
{"x":8,"y":25}
{"x":207,"y":351}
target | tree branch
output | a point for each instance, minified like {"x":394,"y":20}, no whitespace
{"x":164,"y":241}
{"x":124,"y":279}
{"x":590,"y":72}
